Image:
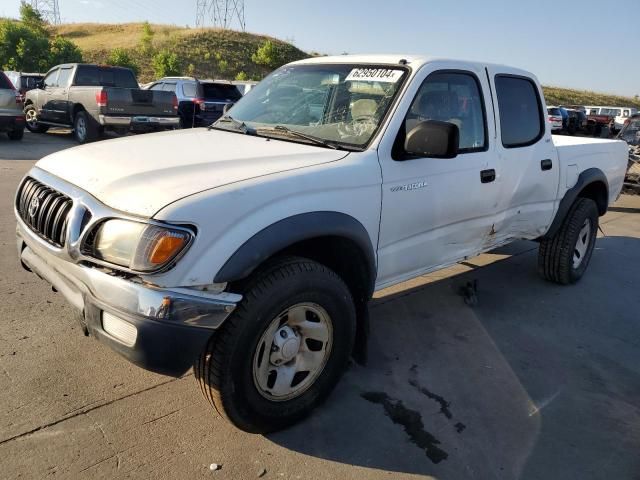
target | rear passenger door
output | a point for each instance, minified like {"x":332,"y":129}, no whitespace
{"x":529,"y":168}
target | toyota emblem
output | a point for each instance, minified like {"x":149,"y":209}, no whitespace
{"x":33,"y":207}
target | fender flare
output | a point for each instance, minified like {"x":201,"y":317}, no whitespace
{"x":291,"y":230}
{"x":587,"y":177}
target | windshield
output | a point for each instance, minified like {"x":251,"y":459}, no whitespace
{"x":341,"y":104}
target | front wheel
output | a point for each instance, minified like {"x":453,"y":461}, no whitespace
{"x":564,"y":257}
{"x":284,"y":348}
{"x":31,"y":117}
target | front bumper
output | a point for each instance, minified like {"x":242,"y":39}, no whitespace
{"x":139,"y":122}
{"x":172,"y":325}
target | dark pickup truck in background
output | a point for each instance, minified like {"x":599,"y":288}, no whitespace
{"x":93,"y":98}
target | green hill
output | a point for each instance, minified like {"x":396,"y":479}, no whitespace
{"x":205,"y":53}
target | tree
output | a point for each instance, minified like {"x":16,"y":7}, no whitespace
{"x":241,"y":76}
{"x":268,"y":55}
{"x":119,"y":57}
{"x":146,"y":41}
{"x":64,"y":51}
{"x":165,"y":64}
{"x":32,"y":19}
{"x":21,"y":48}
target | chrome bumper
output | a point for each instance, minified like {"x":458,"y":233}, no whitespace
{"x":80,"y":285}
{"x":115,"y":121}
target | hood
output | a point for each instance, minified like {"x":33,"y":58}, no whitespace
{"x":142,"y":174}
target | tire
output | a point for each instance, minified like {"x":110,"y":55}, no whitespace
{"x":32,"y":124}
{"x":565,"y":257}
{"x":229,"y":370}
{"x":16,"y":134}
{"x":85,"y":129}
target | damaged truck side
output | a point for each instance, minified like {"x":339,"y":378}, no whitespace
{"x":249,"y":250}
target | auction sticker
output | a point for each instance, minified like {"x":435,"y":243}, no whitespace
{"x":374,"y":75}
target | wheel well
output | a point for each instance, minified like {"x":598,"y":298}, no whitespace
{"x":76,"y":108}
{"x":597,"y":191}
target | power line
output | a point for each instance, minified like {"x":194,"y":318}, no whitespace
{"x":48,"y":10}
{"x":222,"y":13}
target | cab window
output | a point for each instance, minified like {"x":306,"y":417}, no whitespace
{"x":64,"y":77}
{"x":453,"y":97}
{"x":522,"y":122}
{"x":51,"y":79}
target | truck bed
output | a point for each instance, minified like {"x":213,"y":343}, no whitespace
{"x":577,"y":154}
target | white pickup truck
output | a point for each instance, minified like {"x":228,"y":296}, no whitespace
{"x":250,"y":249}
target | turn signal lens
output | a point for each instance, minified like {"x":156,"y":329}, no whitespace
{"x":166,"y":248}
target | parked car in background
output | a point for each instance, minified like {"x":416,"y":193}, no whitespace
{"x":11,"y":114}
{"x":24,"y":81}
{"x":625,"y":113}
{"x":630,"y":131}
{"x":555,"y":119}
{"x":577,"y":121}
{"x":200,"y":102}
{"x":244,"y":85}
{"x":92,"y":98}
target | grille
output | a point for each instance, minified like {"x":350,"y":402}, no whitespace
{"x":44,"y":210}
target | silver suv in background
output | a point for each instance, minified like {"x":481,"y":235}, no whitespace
{"x":200,"y":102}
{"x":11,"y":114}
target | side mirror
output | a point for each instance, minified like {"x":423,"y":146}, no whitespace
{"x":433,"y":139}
{"x":226,"y":108}
{"x":40,"y":84}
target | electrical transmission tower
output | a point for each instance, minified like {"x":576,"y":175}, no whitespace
{"x":222,"y":13}
{"x":48,"y":9}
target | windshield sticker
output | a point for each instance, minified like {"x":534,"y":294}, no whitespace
{"x":374,"y":75}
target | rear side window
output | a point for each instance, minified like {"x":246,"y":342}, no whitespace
{"x":521,"y":119}
{"x":94,"y":76}
{"x":4,"y":82}
{"x":189,"y":90}
{"x":217,"y":91}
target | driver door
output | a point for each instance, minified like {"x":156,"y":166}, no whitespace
{"x":44,"y":96}
{"x":438,"y":211}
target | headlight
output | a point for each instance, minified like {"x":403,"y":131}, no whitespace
{"x":137,"y":246}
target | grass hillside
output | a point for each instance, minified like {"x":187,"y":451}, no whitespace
{"x":215,"y":53}
{"x":565,"y":96}
{"x":205,"y":53}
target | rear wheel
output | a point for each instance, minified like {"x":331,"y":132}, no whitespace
{"x":16,"y":134}
{"x":85,"y":129}
{"x":284,"y":348}
{"x":564,"y":257}
{"x":31,"y":117}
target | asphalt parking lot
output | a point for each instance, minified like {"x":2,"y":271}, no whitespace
{"x":536,"y":381}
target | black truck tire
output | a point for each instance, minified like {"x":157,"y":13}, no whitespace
{"x":85,"y":128}
{"x":564,"y":257}
{"x":16,"y":134}
{"x":240,"y":370}
{"x":32,"y":124}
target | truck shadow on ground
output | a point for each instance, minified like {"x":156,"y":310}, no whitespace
{"x":535,"y":381}
{"x":34,"y":146}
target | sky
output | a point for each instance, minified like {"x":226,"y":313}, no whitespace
{"x":585,"y":44}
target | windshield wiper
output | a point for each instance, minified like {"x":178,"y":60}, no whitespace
{"x":294,"y":133}
{"x":241,"y":126}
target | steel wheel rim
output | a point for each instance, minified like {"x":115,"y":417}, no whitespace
{"x":582,"y":244}
{"x":31,"y":118}
{"x":81,"y":128}
{"x":285,"y":366}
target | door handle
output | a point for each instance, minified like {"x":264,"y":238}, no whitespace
{"x":487,"y":176}
{"x":546,"y":164}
